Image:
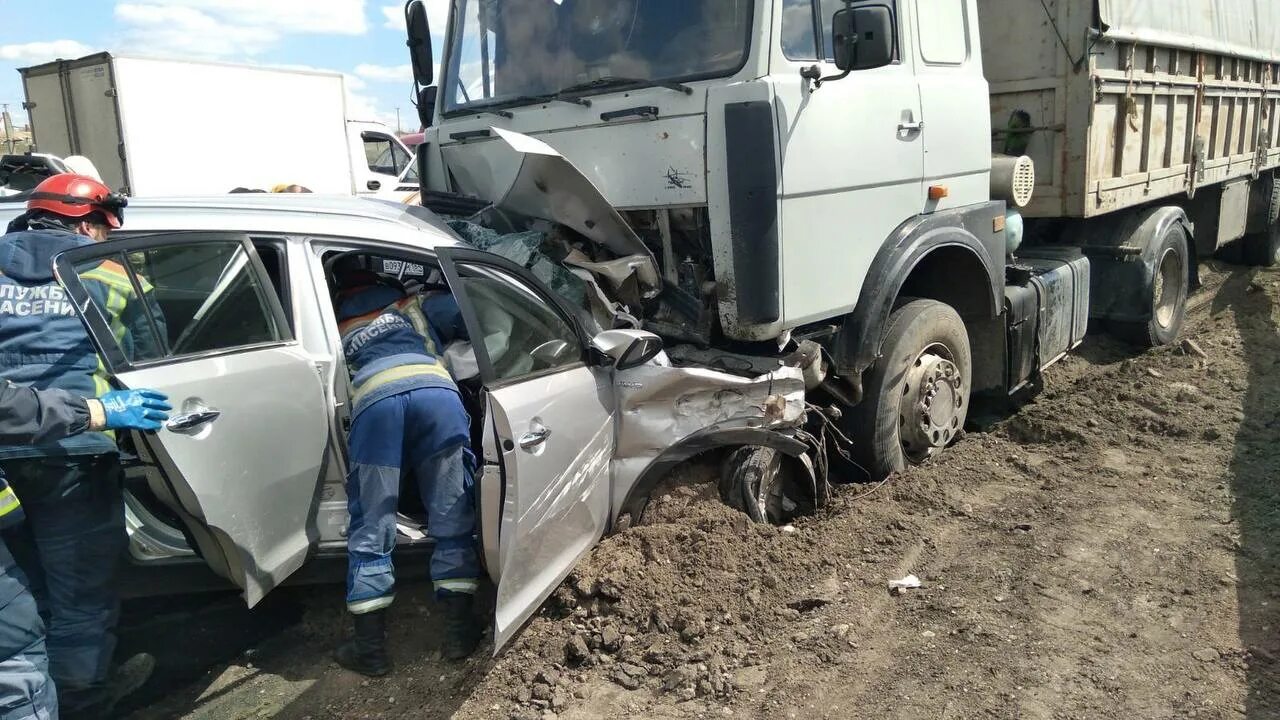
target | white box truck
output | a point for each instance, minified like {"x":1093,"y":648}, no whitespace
{"x":858,"y":174}
{"x":177,"y":127}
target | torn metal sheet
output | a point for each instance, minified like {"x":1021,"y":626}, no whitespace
{"x":529,"y":177}
{"x":659,"y":406}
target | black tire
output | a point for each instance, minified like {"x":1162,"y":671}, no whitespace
{"x":1262,"y":249}
{"x":878,"y":423}
{"x":1167,"y":301}
{"x":764,"y":484}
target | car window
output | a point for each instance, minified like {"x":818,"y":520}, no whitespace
{"x":378,"y":153}
{"x":802,"y":38}
{"x":399,"y":157}
{"x":522,"y":334}
{"x":195,"y":298}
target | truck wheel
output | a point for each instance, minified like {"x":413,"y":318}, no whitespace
{"x":1169,"y":287}
{"x":917,"y":394}
{"x":1262,"y":249}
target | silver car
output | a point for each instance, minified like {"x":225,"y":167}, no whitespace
{"x":574,"y":426}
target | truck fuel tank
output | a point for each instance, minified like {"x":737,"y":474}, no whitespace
{"x":1047,"y":309}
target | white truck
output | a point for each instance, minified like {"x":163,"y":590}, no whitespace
{"x":859,"y":175}
{"x":178,"y":127}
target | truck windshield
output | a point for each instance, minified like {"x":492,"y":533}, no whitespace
{"x":509,"y":52}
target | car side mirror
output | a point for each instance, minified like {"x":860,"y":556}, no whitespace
{"x":419,"y":30}
{"x":864,"y":37}
{"x":627,"y":348}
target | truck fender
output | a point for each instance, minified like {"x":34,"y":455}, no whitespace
{"x":1122,"y":259}
{"x":967,"y":235}
{"x":711,"y":438}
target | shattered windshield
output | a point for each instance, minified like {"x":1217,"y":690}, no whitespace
{"x":503,"y":51}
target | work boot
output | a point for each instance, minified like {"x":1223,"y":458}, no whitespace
{"x":366,"y":651}
{"x":130,"y":675}
{"x":461,"y":635}
{"x":100,"y":701}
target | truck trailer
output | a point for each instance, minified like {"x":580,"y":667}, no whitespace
{"x":942,"y":196}
{"x":178,"y":127}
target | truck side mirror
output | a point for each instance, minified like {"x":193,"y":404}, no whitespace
{"x":427,"y":105}
{"x":864,"y":37}
{"x":419,"y":30}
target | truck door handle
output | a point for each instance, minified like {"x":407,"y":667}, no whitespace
{"x":192,"y":420}
{"x":910,"y":126}
{"x":531,"y":440}
{"x":373,"y":185}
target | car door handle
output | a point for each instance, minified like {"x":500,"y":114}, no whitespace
{"x":373,"y":185}
{"x":909,"y":126}
{"x":192,"y":420}
{"x":531,"y":440}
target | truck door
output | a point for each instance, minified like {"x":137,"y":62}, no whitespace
{"x":955,"y":102}
{"x":551,"y":426}
{"x":240,"y":459}
{"x":852,"y":158}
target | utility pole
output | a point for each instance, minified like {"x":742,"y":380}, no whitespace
{"x":397,"y":121}
{"x":8,"y":126}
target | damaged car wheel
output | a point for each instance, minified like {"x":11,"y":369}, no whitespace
{"x":767,"y":485}
{"x":917,"y":394}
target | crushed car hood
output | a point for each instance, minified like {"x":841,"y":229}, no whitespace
{"x":524,"y":175}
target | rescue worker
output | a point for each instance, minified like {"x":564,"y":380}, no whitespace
{"x":407,"y":418}
{"x":71,"y":491}
{"x":37,"y":417}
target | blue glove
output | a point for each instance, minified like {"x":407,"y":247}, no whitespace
{"x":135,"y":409}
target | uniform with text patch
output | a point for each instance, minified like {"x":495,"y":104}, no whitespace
{"x":407,"y":420}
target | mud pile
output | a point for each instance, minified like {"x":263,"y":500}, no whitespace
{"x":683,"y":605}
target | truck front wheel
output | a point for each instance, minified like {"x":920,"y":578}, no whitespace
{"x":917,"y":394}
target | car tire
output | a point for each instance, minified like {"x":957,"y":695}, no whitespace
{"x":1167,"y":301}
{"x":917,"y":394}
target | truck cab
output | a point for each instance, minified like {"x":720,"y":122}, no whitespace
{"x":800,"y":170}
{"x":705,"y":125}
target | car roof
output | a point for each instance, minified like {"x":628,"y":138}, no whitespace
{"x":284,"y":213}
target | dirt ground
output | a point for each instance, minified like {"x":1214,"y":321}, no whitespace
{"x":1108,"y":551}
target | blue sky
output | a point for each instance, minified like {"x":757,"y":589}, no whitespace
{"x":362,"y":38}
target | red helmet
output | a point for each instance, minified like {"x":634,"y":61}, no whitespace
{"x":76,"y":196}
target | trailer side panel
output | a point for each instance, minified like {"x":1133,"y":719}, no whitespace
{"x":1114,"y":124}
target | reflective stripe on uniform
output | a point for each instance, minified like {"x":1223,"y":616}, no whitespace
{"x":361,"y":607}
{"x":400,"y":372}
{"x":457,"y":585}
{"x":412,"y":308}
{"x":115,"y":278}
{"x":8,"y":501}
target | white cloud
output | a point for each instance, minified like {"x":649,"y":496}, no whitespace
{"x":437,"y":16}
{"x":231,"y":28}
{"x":333,"y":17}
{"x":383,"y":73}
{"x":185,"y":31}
{"x":38,"y":52}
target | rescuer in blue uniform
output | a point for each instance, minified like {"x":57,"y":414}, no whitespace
{"x":39,"y":417}
{"x":72,"y":490}
{"x":407,"y":417}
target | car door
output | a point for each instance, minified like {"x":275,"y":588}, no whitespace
{"x":551,"y":427}
{"x":240,"y":459}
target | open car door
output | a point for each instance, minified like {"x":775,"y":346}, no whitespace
{"x":551,"y":427}
{"x":239,"y":461}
